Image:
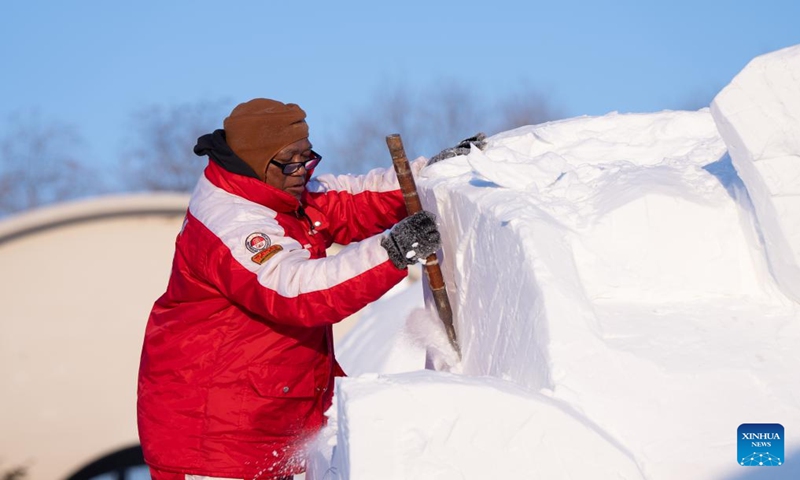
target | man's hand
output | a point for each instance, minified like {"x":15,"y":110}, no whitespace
{"x":479,"y":140}
{"x":411,"y":239}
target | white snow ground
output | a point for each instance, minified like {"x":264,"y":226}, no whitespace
{"x":622,"y":301}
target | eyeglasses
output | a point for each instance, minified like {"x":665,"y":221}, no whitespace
{"x":290,"y":168}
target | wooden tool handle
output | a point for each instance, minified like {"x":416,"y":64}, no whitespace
{"x":404,"y":175}
{"x":413,"y":205}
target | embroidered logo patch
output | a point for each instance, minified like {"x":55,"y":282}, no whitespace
{"x":257,"y":242}
{"x":265,"y":255}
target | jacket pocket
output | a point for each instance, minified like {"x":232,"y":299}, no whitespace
{"x":280,"y":401}
{"x":282,"y":381}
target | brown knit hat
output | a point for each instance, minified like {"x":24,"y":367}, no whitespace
{"x":257,"y":130}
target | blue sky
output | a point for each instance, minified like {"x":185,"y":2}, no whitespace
{"x":93,"y":63}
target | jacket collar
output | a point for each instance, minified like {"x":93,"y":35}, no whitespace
{"x":251,"y":189}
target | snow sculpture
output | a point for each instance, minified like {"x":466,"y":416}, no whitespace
{"x":617,"y":267}
{"x":758,"y":115}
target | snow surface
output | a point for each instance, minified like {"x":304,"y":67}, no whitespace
{"x":380,"y":341}
{"x":758,"y":115}
{"x":616,"y":310}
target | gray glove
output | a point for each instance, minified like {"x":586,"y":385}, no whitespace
{"x":412,"y":238}
{"x":479,"y":140}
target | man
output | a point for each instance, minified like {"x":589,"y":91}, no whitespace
{"x":238,"y":366}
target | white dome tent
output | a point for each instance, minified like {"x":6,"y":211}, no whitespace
{"x":78,"y":281}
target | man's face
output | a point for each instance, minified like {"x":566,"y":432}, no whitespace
{"x":294,"y":184}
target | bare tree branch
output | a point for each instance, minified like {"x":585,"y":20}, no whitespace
{"x":431,"y":120}
{"x":160,"y":155}
{"x":39,"y":163}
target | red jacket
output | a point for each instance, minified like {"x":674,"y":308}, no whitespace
{"x":237,"y":366}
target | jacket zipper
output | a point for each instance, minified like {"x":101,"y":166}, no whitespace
{"x":301,"y":213}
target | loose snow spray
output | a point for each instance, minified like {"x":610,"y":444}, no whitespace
{"x":426,"y":331}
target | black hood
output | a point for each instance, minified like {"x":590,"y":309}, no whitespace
{"x":216,"y":147}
